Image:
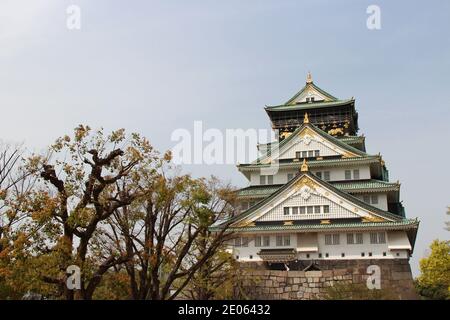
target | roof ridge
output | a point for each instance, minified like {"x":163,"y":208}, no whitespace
{"x":313,"y":85}
{"x":311,"y":104}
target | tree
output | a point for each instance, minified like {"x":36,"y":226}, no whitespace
{"x":117,"y":209}
{"x":447,"y":223}
{"x":10,"y":157}
{"x":89,"y":177}
{"x":167,"y":232}
{"x":16,"y":183}
{"x":434,"y":281}
{"x":220,"y":269}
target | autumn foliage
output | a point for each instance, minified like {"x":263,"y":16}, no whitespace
{"x":113,"y":206}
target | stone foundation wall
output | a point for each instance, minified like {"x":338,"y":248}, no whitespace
{"x":260,"y":283}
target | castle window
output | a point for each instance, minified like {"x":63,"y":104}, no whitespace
{"x":266,"y":241}
{"x":245,"y":242}
{"x":376,"y":238}
{"x":287,"y":240}
{"x":326,"y":255}
{"x":362,"y":254}
{"x":370,"y":254}
{"x":348,"y":175}
{"x":356,"y":174}
{"x":359,"y":238}
{"x":310,"y":153}
{"x":309,"y":209}
{"x":342,"y":255}
{"x":336,"y":238}
{"x":354,"y":238}
{"x":302,"y":210}
{"x":307,"y":255}
{"x":270,"y":179}
{"x":286,"y":211}
{"x":316,"y":209}
{"x":294,"y":210}
{"x":237,"y":242}
{"x":312,"y":99}
{"x":381,"y":237}
{"x":304,"y":154}
{"x":326,"y":175}
{"x":332,"y":239}
{"x":366,"y":199}
{"x":319,"y":174}
{"x":350,"y":238}
{"x":258,"y":241}
{"x":237,"y":257}
{"x":290,"y":176}
{"x":374,"y":199}
{"x":262,"y":179}
{"x":384,"y":254}
{"x":279,"y":241}
{"x":326,"y":209}
{"x":298,"y":154}
{"x":320,"y":255}
{"x":251,"y":257}
{"x":316,"y":153}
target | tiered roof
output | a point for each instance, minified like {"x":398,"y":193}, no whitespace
{"x":348,"y":149}
{"x":353,"y":187}
{"x":378,"y":220}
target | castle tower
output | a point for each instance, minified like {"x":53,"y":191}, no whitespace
{"x":316,"y":197}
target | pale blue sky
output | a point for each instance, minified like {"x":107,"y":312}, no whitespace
{"x":155,"y":66}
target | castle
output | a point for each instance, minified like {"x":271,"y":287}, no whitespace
{"x":316,"y":199}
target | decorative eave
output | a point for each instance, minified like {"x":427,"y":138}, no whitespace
{"x":352,"y":187}
{"x":304,"y":129}
{"x":350,"y":140}
{"x":307,"y":106}
{"x":315,"y":163}
{"x":309,"y":179}
{"x":365,"y":186}
{"x":404,"y":224}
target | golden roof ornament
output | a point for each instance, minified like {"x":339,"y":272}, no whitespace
{"x":306,"y":118}
{"x":309,"y":78}
{"x":304,"y":167}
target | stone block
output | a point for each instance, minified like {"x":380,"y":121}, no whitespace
{"x":327,"y":273}
{"x":313,"y":274}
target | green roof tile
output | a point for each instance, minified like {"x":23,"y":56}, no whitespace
{"x":353,"y":186}
{"x":391,"y":225}
{"x":317,"y":163}
{"x":306,"y":106}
